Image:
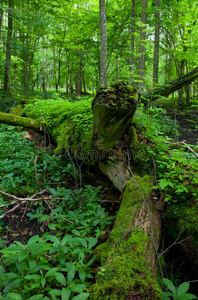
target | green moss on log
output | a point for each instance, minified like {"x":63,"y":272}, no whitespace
{"x":69,"y":123}
{"x":113,"y":110}
{"x":20,"y":121}
{"x":126,"y":267}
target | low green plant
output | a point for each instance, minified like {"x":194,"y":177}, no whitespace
{"x":47,"y":266}
{"x":177,"y":293}
{"x":80,"y":207}
{"x":18,"y":168}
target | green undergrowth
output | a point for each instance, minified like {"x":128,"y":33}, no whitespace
{"x":63,"y":119}
{"x":176,"y":169}
{"x":57,"y":263}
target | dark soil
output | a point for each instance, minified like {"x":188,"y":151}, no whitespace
{"x":188,"y":125}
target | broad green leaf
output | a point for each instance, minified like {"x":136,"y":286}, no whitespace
{"x":60,"y":278}
{"x":35,"y":297}
{"x":65,"y":294}
{"x":187,"y":297}
{"x":52,"y":226}
{"x":71,"y":274}
{"x":52,"y":238}
{"x":82,"y":296}
{"x":82,"y":276}
{"x":92,"y":242}
{"x":43,"y":281}
{"x":55,"y":292}
{"x":169,"y":285}
{"x":22,"y":256}
{"x":32,"y":263}
{"x":78,"y":288}
{"x":164,"y":183}
{"x":183,"y":288}
{"x":83,"y":243}
{"x":33,"y":240}
{"x":13,"y":296}
{"x":34,"y":277}
{"x":51,"y":272}
{"x":1,"y":271}
{"x":76,"y":232}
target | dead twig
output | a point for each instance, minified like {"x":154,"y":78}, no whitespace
{"x":182,"y":145}
{"x":31,"y":198}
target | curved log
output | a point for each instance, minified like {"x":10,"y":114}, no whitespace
{"x":169,"y":87}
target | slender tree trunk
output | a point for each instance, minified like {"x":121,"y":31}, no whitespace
{"x":132,"y":43}
{"x":8,"y":48}
{"x":55,"y":79}
{"x":79,"y":82}
{"x":103,"y":44}
{"x":26,"y":79}
{"x":1,"y":21}
{"x":142,"y":48}
{"x":117,"y":69}
{"x":156,"y":44}
{"x":84,"y":84}
{"x":43,"y":82}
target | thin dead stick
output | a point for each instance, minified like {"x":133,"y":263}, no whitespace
{"x":182,"y":145}
{"x":12,"y":210}
{"x":175,"y":243}
{"x":190,"y":149}
{"x":25,"y":200}
{"x":32,"y":198}
{"x":18,"y":205}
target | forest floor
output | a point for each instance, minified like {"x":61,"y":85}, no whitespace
{"x":18,"y":226}
{"x":188,"y":125}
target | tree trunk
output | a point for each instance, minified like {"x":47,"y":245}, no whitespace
{"x":1,"y":21}
{"x":8,"y":48}
{"x":131,"y":68}
{"x":43,"y":75}
{"x":142,"y":48}
{"x":156,"y":43}
{"x":103,"y":44}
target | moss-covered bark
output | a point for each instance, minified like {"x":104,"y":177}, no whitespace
{"x":113,"y":110}
{"x":128,"y":257}
{"x":20,"y":121}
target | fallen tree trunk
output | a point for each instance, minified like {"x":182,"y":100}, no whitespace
{"x":128,"y":258}
{"x":169,"y":87}
{"x":14,"y":120}
{"x":135,"y":237}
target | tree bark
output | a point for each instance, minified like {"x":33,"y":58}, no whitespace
{"x":103,"y":44}
{"x":1,"y":21}
{"x":170,"y":87}
{"x":8,"y":48}
{"x":142,"y":48}
{"x":131,"y":68}
{"x":156,"y":43}
{"x":14,"y":120}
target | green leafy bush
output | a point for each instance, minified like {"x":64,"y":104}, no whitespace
{"x":179,"y":293}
